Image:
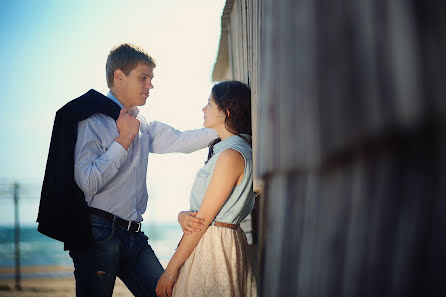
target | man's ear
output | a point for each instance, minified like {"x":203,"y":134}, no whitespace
{"x":118,"y":76}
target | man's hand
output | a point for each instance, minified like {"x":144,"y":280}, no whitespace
{"x":128,"y":127}
{"x":189,"y":223}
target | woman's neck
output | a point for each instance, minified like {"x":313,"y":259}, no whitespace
{"x":223,"y":133}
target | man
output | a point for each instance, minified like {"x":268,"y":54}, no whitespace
{"x":110,"y":168}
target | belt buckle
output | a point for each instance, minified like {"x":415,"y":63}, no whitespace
{"x":130,"y":224}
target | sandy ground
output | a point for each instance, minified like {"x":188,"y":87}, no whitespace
{"x":48,"y":287}
{"x":54,"y":286}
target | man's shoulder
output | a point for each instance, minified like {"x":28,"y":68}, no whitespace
{"x":103,"y":126}
{"x":99,"y":120}
{"x":88,"y":104}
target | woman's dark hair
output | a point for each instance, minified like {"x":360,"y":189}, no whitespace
{"x":233,"y":98}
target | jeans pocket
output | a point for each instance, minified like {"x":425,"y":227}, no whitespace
{"x":102,"y":232}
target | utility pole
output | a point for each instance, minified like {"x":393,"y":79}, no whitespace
{"x":18,"y":285}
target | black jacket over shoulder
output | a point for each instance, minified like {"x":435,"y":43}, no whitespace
{"x":63,"y":212}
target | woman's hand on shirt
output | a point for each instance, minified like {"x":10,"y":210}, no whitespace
{"x":189,"y":222}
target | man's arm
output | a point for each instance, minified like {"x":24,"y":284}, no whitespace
{"x":94,"y":166}
{"x":165,"y":139}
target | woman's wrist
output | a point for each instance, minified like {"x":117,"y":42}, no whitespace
{"x":170,"y":276}
{"x":171,"y":272}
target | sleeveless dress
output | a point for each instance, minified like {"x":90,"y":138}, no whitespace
{"x":219,"y":265}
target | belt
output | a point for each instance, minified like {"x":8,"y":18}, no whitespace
{"x":217,"y":224}
{"x":128,"y":225}
{"x":226,"y":225}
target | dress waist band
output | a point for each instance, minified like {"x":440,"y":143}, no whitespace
{"x":226,"y":225}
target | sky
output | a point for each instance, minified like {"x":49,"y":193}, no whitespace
{"x":54,"y":51}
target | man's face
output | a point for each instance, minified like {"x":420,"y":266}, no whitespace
{"x":136,"y":86}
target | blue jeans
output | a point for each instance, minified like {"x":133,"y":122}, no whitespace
{"x":118,"y":253}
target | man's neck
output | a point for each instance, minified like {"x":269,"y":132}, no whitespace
{"x":117,"y":95}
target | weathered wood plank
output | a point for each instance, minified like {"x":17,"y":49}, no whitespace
{"x":349,"y":139}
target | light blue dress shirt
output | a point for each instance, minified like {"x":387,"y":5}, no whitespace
{"x":241,"y":201}
{"x":114,"y":179}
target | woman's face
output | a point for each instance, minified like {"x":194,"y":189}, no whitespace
{"x":213,"y":117}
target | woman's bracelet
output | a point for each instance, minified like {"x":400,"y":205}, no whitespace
{"x":169,"y":276}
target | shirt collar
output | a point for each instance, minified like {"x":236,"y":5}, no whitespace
{"x":230,"y":140}
{"x":135,"y":110}
{"x":114,"y":99}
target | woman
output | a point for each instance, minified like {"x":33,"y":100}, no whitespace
{"x":212,"y":260}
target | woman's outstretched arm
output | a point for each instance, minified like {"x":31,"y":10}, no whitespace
{"x":228,"y":172}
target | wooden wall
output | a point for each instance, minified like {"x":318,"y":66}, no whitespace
{"x":237,"y":59}
{"x":351,"y":148}
{"x":349,"y":126}
{"x":238,"y":55}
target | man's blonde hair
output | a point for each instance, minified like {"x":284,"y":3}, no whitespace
{"x":126,"y":57}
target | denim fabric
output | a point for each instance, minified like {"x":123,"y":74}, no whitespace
{"x":118,"y":253}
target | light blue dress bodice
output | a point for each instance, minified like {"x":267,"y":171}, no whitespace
{"x":241,"y":200}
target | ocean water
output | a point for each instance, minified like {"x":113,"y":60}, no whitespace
{"x":37,"y":249}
